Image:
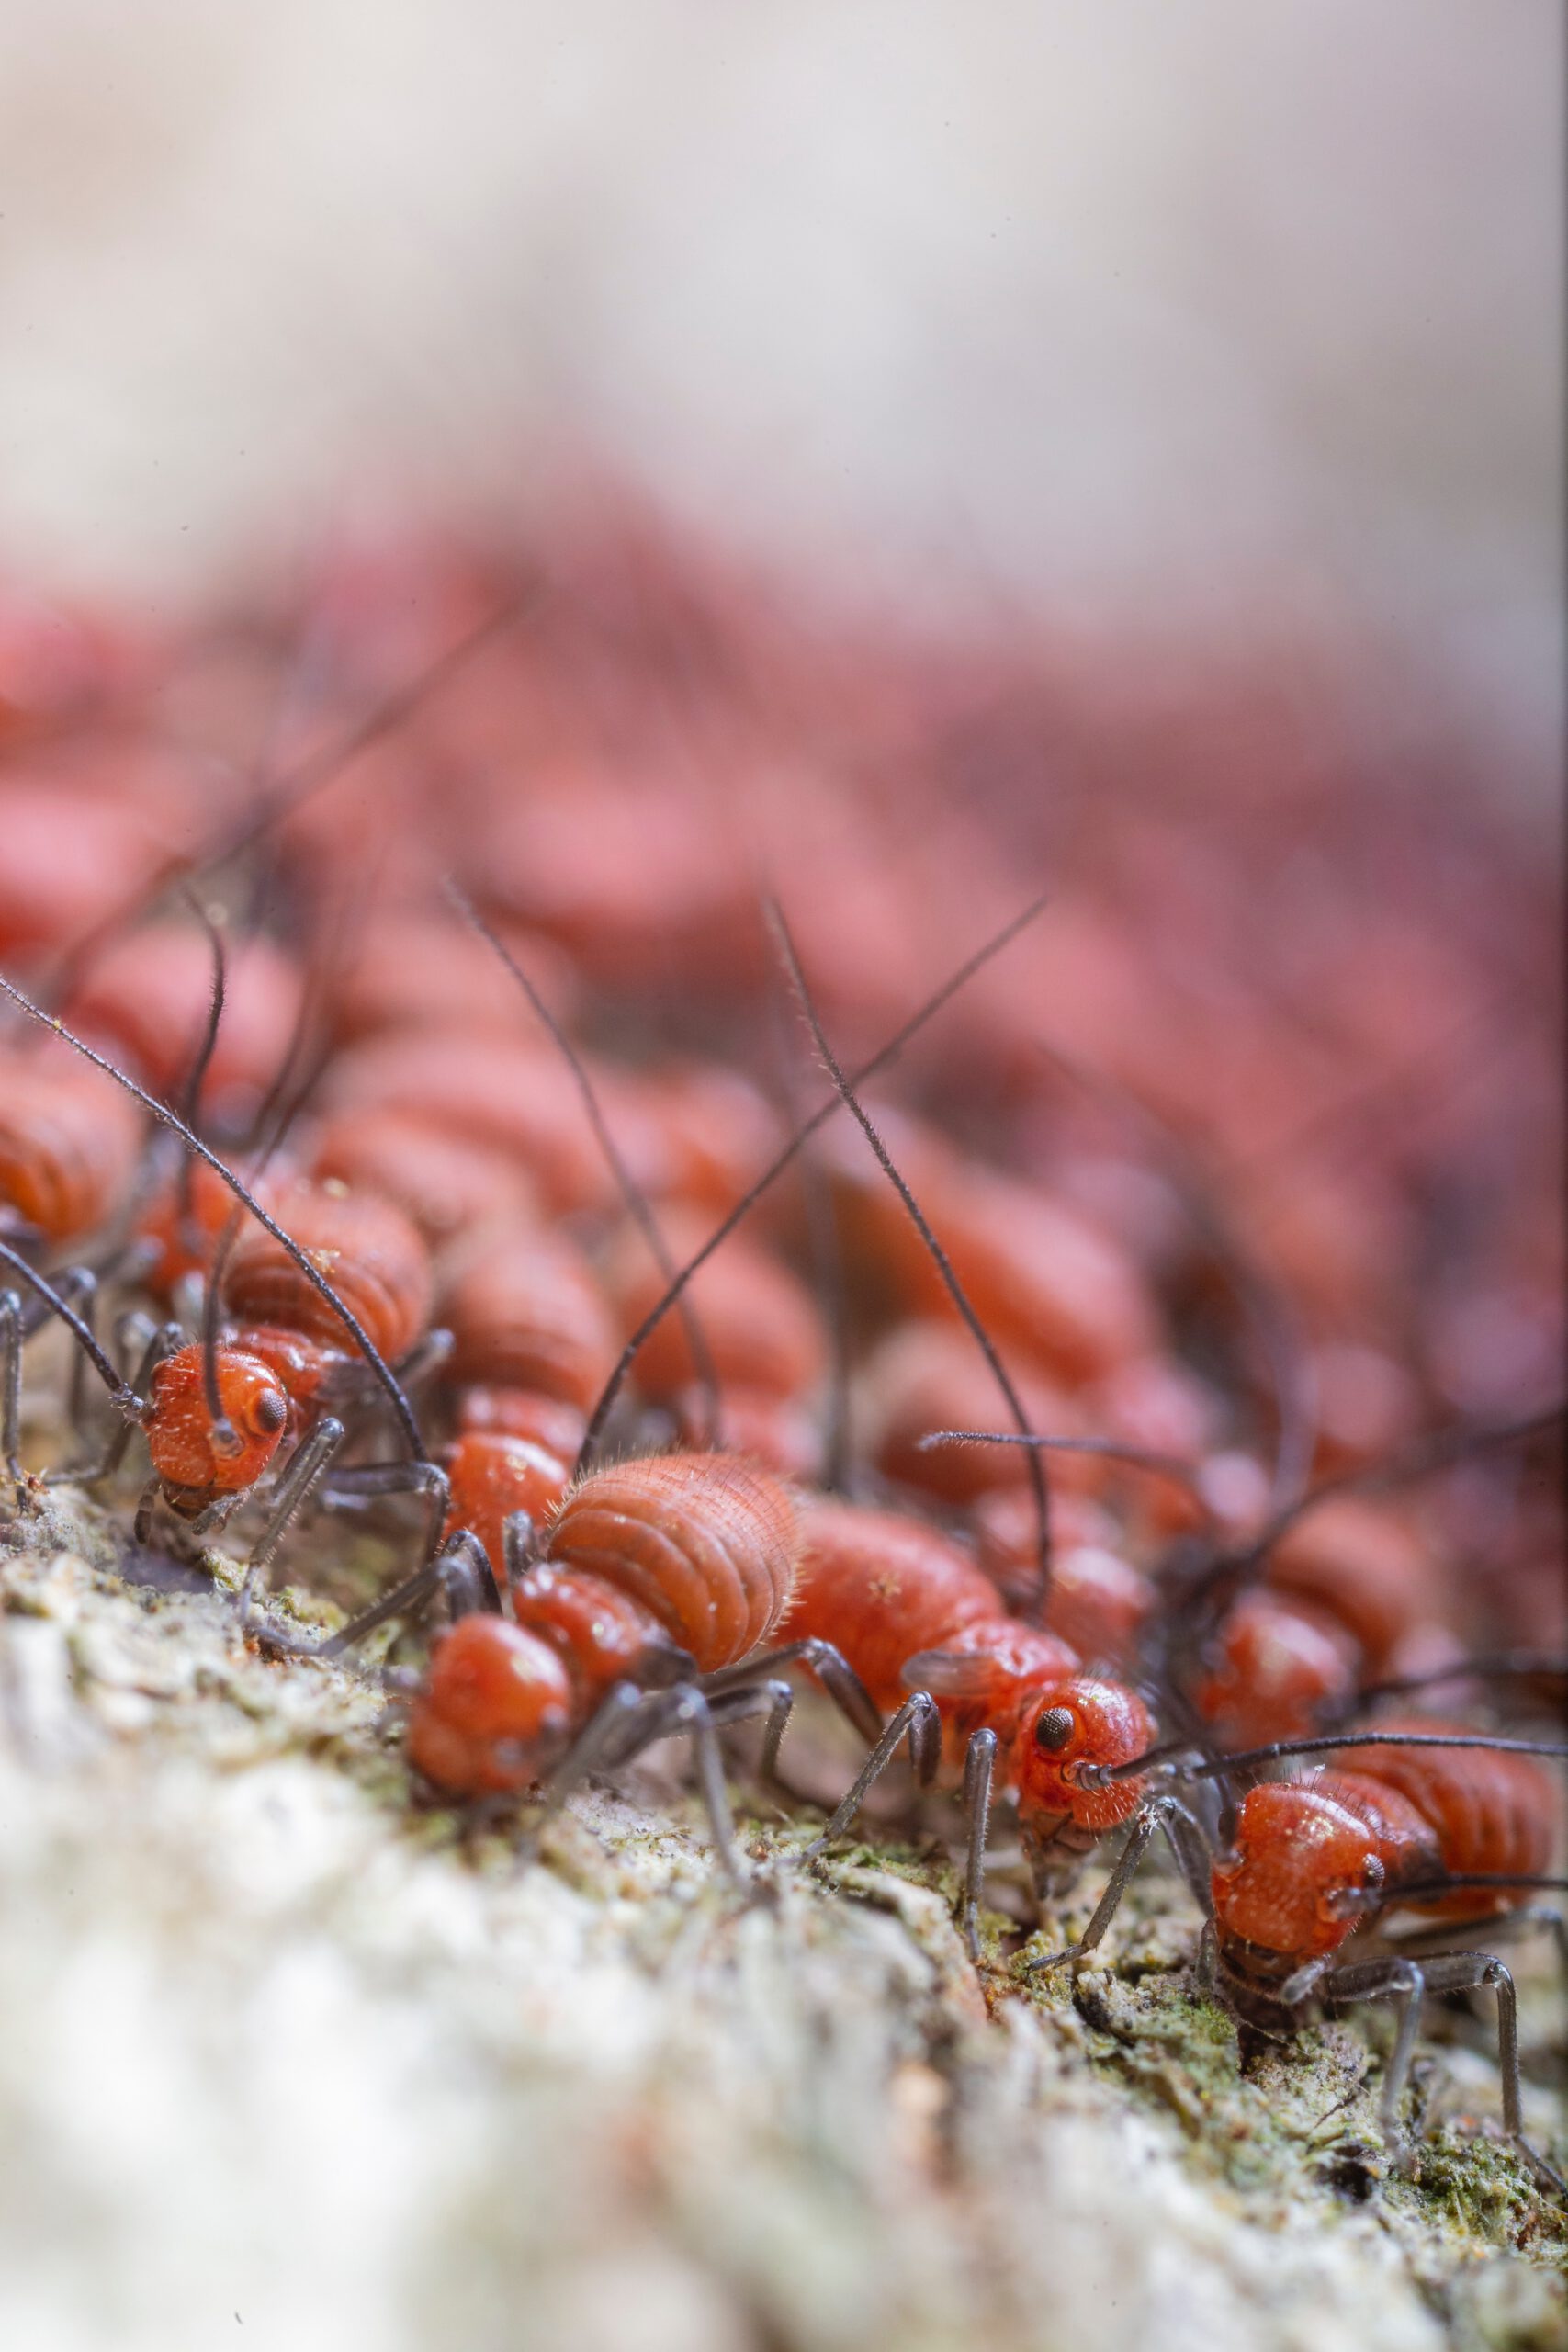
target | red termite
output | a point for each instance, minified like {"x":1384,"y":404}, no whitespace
{"x":673,"y":1570}
{"x":216,"y":1413}
{"x":1416,"y":1815}
{"x":924,"y":1629}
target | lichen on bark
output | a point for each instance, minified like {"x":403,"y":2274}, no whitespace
{"x":288,"y":2060}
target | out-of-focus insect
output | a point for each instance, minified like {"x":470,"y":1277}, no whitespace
{"x":216,"y":1413}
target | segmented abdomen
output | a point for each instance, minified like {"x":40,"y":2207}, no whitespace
{"x":706,"y":1543}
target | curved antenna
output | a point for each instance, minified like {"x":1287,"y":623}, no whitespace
{"x":1497,"y":1665}
{"x":312,"y":774}
{"x":224,"y":1436}
{"x":940,"y":1259}
{"x":1217,"y":1585}
{"x":1437,"y":1451}
{"x":193,"y":1142}
{"x":1274,"y":1319}
{"x":1140,"y":1457}
{"x":195,"y":1078}
{"x":1420,"y":1888}
{"x":1323,"y":1743}
{"x":796,"y":1143}
{"x":126,"y":1401}
{"x":632,"y":1194}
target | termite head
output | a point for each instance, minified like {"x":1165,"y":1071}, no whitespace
{"x":188,"y":1451}
{"x":494,"y":1713}
{"x":1073,"y":1724}
{"x":1303,"y":1872}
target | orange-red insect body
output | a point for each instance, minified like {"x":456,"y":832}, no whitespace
{"x":1313,"y":1859}
{"x":684,"y":1553}
{"x":910,"y":1612}
{"x":284,"y":1340}
{"x":69,"y":1146}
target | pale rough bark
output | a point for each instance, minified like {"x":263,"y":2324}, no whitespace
{"x":283,"y":2064}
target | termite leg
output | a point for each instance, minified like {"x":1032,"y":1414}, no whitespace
{"x":423,"y":1359}
{"x":466,"y":1577}
{"x":1404,"y":1982}
{"x":292,"y":1489}
{"x":166,"y":1341}
{"x":831,"y":1668}
{"x":78,"y":1286}
{"x":1509,"y":1926}
{"x":367,"y":1480}
{"x":1160,"y":1813}
{"x":979,"y":1770}
{"x":598,"y":1744}
{"x":11,"y":1388}
{"x":917,"y":1718}
{"x":518,"y":1546}
{"x":146,"y":1504}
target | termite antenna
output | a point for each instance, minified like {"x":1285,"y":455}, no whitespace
{"x":632,"y":1194}
{"x":1275,"y":1326}
{"x":196,"y":1078}
{"x":1438,"y":1450}
{"x":940,"y":1259}
{"x":1530,"y":1880}
{"x":1212,"y":1592}
{"x":1140,"y":1457}
{"x":796,"y":1143}
{"x":1501,"y":1665}
{"x":225,"y":1437}
{"x":1323,"y":1743}
{"x":125,"y":1400}
{"x":193,"y":1142}
{"x":313,"y":774}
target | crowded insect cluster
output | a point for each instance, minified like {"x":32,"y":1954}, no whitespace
{"x":595,"y":1148}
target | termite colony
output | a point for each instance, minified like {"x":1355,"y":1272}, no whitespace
{"x":414,"y":1107}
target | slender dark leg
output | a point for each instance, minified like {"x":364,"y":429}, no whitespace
{"x":288,"y":1496}
{"x":1404,"y":1982}
{"x":518,"y":1537}
{"x":402,"y":1601}
{"x":466,"y":1577}
{"x":367,"y":1480}
{"x":78,"y":1286}
{"x":165,"y":1341}
{"x":1158,"y":1813}
{"x":11,"y":1387}
{"x":831,"y":1668}
{"x":979,"y":1769}
{"x":460,"y":1571}
{"x":423,"y":1359}
{"x":918,"y":1718}
{"x":1510,"y":1927}
{"x":598,"y":1744}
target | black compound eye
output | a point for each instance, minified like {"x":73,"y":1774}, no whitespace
{"x":270,"y":1410}
{"x":1056,"y":1727}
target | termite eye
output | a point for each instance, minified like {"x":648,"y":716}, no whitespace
{"x":1054,"y":1728}
{"x":270,"y":1411}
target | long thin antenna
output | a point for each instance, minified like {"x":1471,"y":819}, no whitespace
{"x":312,"y":774}
{"x":943,"y":1264}
{"x":632,"y":1194}
{"x":1225,"y":1576}
{"x":193,"y":1142}
{"x":1273,"y":1320}
{"x":125,"y":1399}
{"x":1321,"y":1744}
{"x":1140,"y":1457}
{"x":195,"y":1078}
{"x":797,"y":1142}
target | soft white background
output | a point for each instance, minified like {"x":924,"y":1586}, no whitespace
{"x":1131,"y":301}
